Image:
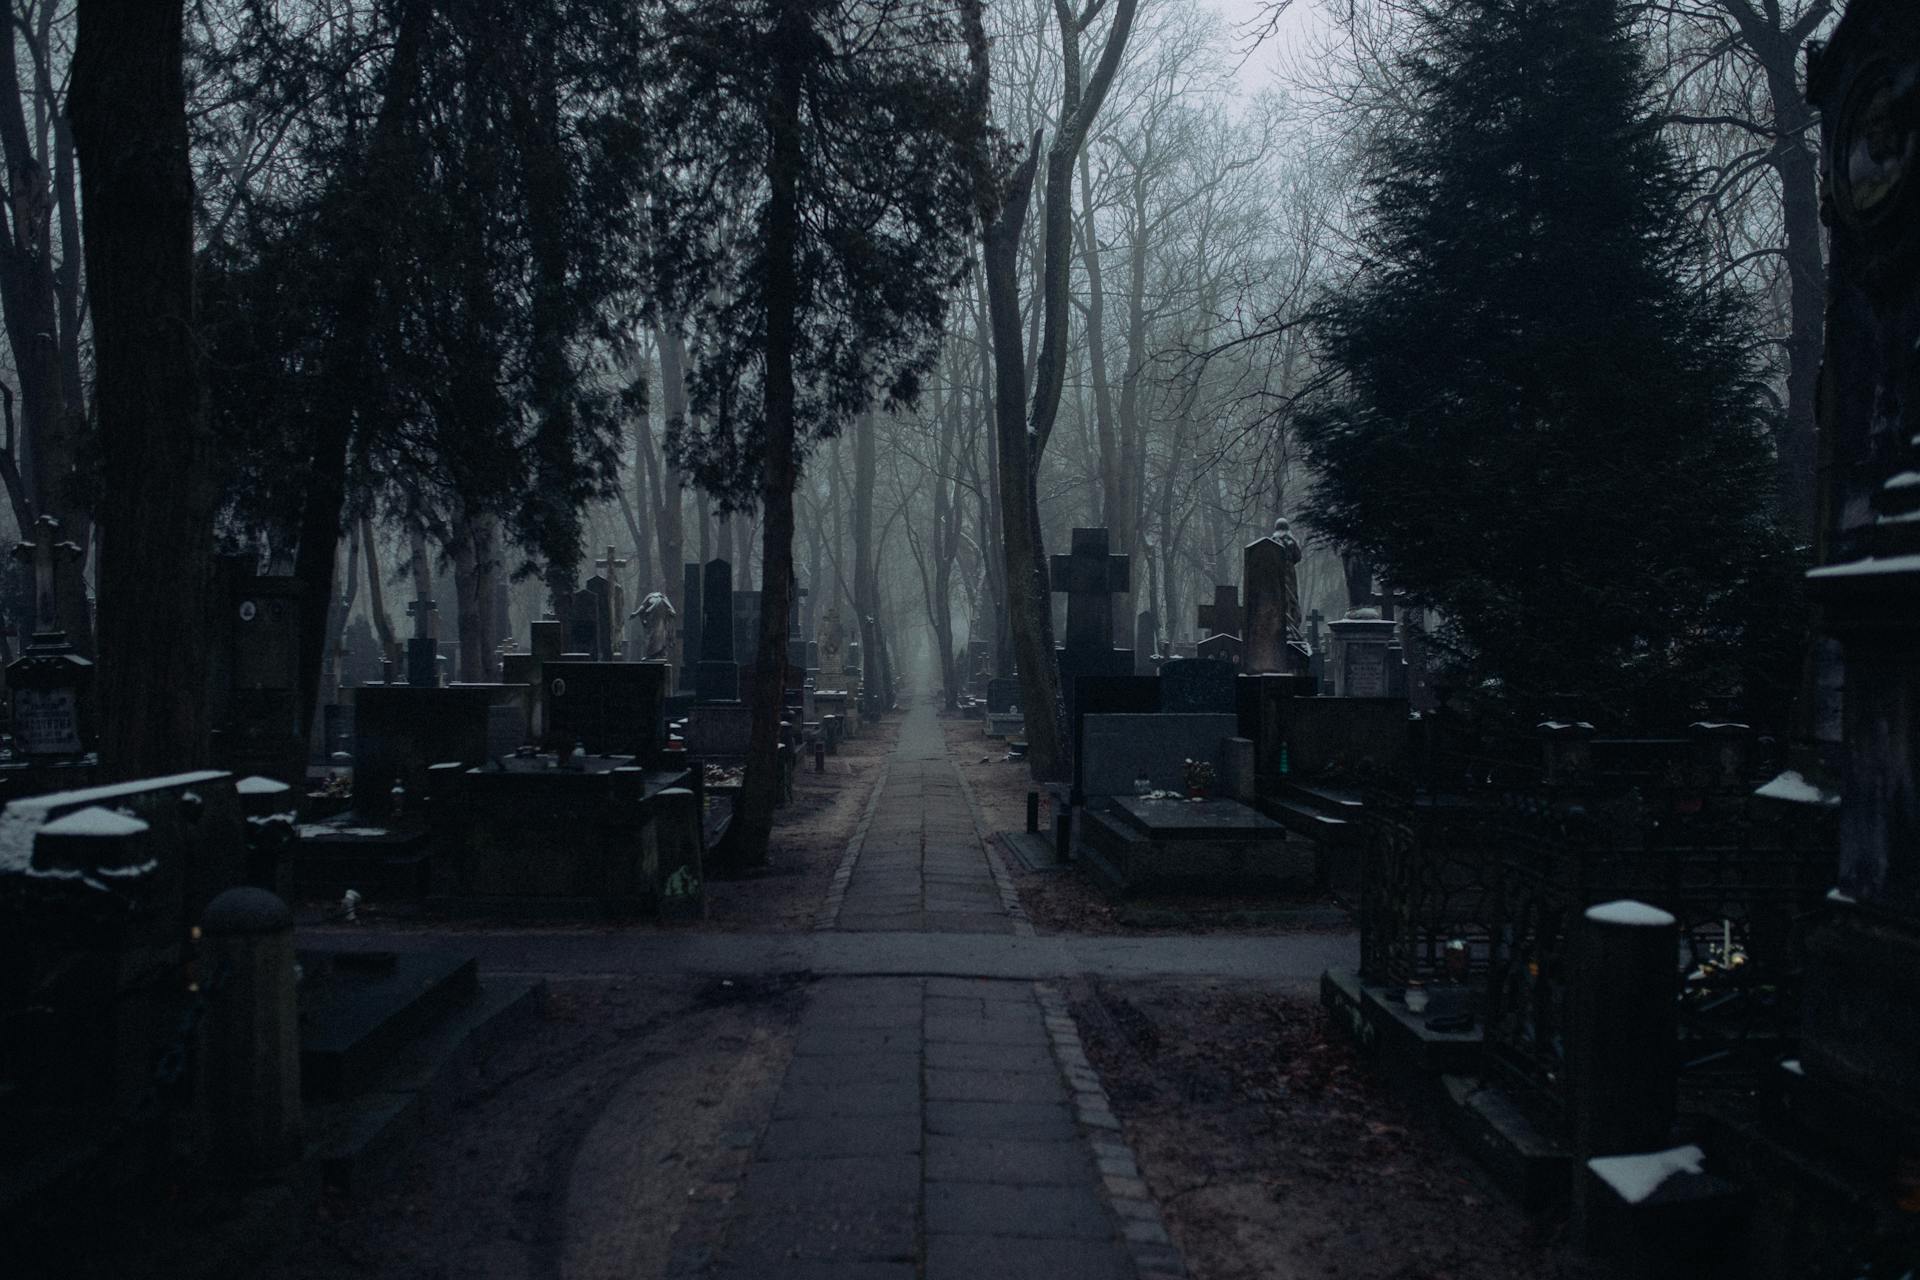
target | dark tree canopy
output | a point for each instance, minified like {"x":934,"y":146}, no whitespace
{"x":890,"y":135}
{"x":1548,"y":423}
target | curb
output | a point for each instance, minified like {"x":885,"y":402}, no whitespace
{"x":1155,"y":1256}
{"x":829,"y":913}
{"x":1002,"y":879}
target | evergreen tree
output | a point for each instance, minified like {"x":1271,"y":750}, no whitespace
{"x":1547,"y":421}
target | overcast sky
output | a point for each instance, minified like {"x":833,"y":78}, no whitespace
{"x":1302,"y":20}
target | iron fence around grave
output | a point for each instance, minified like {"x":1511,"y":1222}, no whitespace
{"x":1743,"y":882}
{"x":1510,"y":872}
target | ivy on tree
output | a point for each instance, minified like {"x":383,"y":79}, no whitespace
{"x":1547,"y":421}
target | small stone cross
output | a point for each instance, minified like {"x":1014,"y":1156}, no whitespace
{"x":609,"y":564}
{"x":421,"y":611}
{"x":47,"y":555}
{"x":1090,"y":577}
{"x":1223,"y":615}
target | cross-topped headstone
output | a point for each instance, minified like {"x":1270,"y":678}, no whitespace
{"x":1090,"y":577}
{"x":1222,"y":617}
{"x":421,"y":610}
{"x":608,"y":565}
{"x":48,"y":554}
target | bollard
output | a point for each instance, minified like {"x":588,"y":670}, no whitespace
{"x":1033,"y":813}
{"x":1622,"y":1030}
{"x":1063,"y":835}
{"x":253,"y":1033}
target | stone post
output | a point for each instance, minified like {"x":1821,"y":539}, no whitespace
{"x":253,"y":1033}
{"x":1622,"y":1030}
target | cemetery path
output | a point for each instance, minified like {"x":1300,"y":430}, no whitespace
{"x":921,"y":862}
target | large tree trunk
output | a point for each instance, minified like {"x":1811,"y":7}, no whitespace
{"x":377,"y":594}
{"x":41,"y":335}
{"x":752,"y":829}
{"x":156,"y":508}
{"x":865,"y":606}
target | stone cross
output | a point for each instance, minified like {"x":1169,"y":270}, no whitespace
{"x":1090,"y":577}
{"x":47,"y":554}
{"x":421,"y":610}
{"x":613,"y":605}
{"x":1222,"y":617}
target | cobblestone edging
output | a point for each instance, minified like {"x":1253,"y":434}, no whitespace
{"x":989,"y":849}
{"x":829,"y":914}
{"x":1155,"y":1256}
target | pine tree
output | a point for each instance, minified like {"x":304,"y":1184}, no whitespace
{"x":1548,"y":422}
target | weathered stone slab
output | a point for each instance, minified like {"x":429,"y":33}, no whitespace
{"x":1116,"y":749}
{"x":1197,"y":684}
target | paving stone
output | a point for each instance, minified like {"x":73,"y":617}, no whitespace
{"x":986,"y":1031}
{"x":1034,"y":1121}
{"x":981,"y":988}
{"x":842,"y":1042}
{"x":821,"y":1137}
{"x":827,"y":1184}
{"x":849,"y":1098}
{"x":981,"y":1208}
{"x":903,"y":1068}
{"x":1006,"y":1161}
{"x":977,"y":1257}
{"x":995,"y":1086}
{"x":848,"y":1234}
{"x":954,"y":1055}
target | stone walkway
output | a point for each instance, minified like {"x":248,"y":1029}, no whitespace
{"x":931,"y":1128}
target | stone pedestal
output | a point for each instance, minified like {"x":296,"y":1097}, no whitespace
{"x":1360,"y":660}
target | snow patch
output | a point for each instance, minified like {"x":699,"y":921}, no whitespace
{"x":1868,"y":567}
{"x":312,"y":829}
{"x":96,"y":823}
{"x":1628,"y":912}
{"x":1793,"y":1067}
{"x":258,"y":786}
{"x":1842,"y":897}
{"x":1792,"y":787}
{"x":1634,"y":1178}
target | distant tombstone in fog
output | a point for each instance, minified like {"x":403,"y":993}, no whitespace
{"x":1273,"y":600}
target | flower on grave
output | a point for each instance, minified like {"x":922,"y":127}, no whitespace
{"x":1199,"y":774}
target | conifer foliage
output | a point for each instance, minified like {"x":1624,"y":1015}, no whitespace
{"x":1547,"y":421}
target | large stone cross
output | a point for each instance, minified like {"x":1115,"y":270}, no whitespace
{"x":1222,"y":617}
{"x":1090,"y":577}
{"x":48,"y":554}
{"x":610,"y":565}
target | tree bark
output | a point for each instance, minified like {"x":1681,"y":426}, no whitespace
{"x":377,"y":594}
{"x":156,"y":510}
{"x":752,"y":828}
{"x":672,"y":541}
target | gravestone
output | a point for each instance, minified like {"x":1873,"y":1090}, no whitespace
{"x":423,"y":652}
{"x":50,"y":683}
{"x":1222,"y":646}
{"x":690,"y":621}
{"x":402,"y":731}
{"x":1223,"y":616}
{"x":587,"y":622}
{"x":609,"y":708}
{"x":1360,"y":655}
{"x":1273,"y":601}
{"x":1117,"y":749}
{"x":1199,"y":685}
{"x":613,"y":603}
{"x":1003,"y":694}
{"x":718,"y":674}
{"x":1106,"y":695}
{"x":1090,"y":577}
{"x":1146,"y":642}
{"x":746,"y":628}
{"x":832,"y":649}
{"x":719,"y":732}
{"x":256,"y":660}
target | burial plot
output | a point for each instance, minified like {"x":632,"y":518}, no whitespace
{"x":1133,"y":843}
{"x":1004,"y":718}
{"x":400,"y":732}
{"x":1106,"y":695}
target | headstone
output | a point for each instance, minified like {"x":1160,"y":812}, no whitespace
{"x":256,"y":712}
{"x":402,"y":731}
{"x":719,"y":732}
{"x":51,"y":684}
{"x":613,"y":596}
{"x":1360,"y":655}
{"x":1106,"y":695}
{"x":1003,"y":694}
{"x":1146,"y":642}
{"x":423,"y":653}
{"x":1118,"y":749}
{"x":1273,"y":601}
{"x":690,"y":593}
{"x":1222,"y":646}
{"x":609,"y":708}
{"x":1223,"y":616}
{"x":1197,"y":684}
{"x":1090,"y":577}
{"x":718,"y":676}
{"x":832,"y":643}
{"x":587,"y":611}
{"x":746,"y":627}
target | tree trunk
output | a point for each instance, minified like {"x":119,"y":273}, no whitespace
{"x":377,"y":594}
{"x":672,"y":541}
{"x":157,"y":503}
{"x":865,"y":465}
{"x":752,"y":829}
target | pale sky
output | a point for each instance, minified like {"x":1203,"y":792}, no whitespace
{"x":1302,"y":20}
